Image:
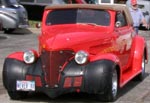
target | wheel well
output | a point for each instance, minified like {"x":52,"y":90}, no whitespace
{"x":118,"y":72}
{"x":145,"y":54}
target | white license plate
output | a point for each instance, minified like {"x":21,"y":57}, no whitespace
{"x":25,"y":85}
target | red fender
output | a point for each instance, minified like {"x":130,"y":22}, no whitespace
{"x":19,"y":55}
{"x":108,"y":56}
{"x":138,"y":52}
{"x":16,"y":55}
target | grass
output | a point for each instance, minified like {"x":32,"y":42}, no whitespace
{"x":33,"y":23}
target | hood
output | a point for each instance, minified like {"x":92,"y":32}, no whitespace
{"x":81,"y":36}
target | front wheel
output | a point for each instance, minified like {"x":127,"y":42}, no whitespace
{"x":17,"y":95}
{"x":8,"y":31}
{"x":110,"y":93}
{"x":141,"y":76}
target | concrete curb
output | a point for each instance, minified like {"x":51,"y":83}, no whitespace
{"x":28,"y":31}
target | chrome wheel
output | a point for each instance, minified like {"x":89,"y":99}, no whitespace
{"x":143,"y":66}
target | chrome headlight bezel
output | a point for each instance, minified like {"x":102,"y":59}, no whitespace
{"x":29,"y":57}
{"x":81,"y":57}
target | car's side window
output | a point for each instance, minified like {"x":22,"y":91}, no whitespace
{"x":120,"y":19}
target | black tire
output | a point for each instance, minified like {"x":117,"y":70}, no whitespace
{"x":17,"y":95}
{"x":8,"y":31}
{"x":110,"y":93}
{"x":141,"y":76}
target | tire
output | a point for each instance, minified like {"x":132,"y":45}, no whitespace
{"x":8,"y":31}
{"x":141,"y":76}
{"x":110,"y":93}
{"x":17,"y":95}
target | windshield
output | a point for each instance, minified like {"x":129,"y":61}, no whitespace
{"x":71,"y":16}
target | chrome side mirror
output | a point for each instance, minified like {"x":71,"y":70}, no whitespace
{"x":118,"y":24}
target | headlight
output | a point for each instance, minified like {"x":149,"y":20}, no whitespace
{"x":81,"y":57}
{"x":29,"y":57}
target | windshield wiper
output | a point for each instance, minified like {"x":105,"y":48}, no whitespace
{"x":92,"y":24}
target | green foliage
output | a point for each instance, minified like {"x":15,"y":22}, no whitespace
{"x":33,"y":23}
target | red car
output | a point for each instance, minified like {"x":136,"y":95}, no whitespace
{"x":82,"y":48}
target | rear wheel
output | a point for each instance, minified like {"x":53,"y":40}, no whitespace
{"x":110,"y":93}
{"x":16,"y":95}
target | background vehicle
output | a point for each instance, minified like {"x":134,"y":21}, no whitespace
{"x":12,"y":15}
{"x":144,"y":5}
{"x":82,"y":48}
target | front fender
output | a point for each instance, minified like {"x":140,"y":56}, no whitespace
{"x":13,"y":70}
{"x":107,"y":56}
{"x":19,"y":55}
{"x":16,"y":55}
{"x":95,"y":75}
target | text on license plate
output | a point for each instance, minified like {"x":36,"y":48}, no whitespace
{"x":22,"y":85}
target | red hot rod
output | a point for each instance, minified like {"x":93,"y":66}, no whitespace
{"x":82,"y":48}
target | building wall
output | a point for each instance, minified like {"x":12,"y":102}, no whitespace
{"x":35,"y":8}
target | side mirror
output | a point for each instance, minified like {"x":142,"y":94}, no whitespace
{"x":38,"y":25}
{"x":118,"y":24}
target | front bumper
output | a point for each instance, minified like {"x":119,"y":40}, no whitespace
{"x":91,"y":78}
{"x":23,"y":26}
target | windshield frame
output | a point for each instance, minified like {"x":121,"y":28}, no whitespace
{"x":12,"y":2}
{"x":75,"y":14}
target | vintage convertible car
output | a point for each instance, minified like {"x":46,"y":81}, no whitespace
{"x":82,"y":48}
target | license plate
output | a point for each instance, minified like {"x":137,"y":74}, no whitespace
{"x":25,"y":85}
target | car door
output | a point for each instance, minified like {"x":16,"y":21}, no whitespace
{"x":124,"y":40}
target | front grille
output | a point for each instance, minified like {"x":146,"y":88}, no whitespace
{"x":23,"y":21}
{"x":52,"y":61}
